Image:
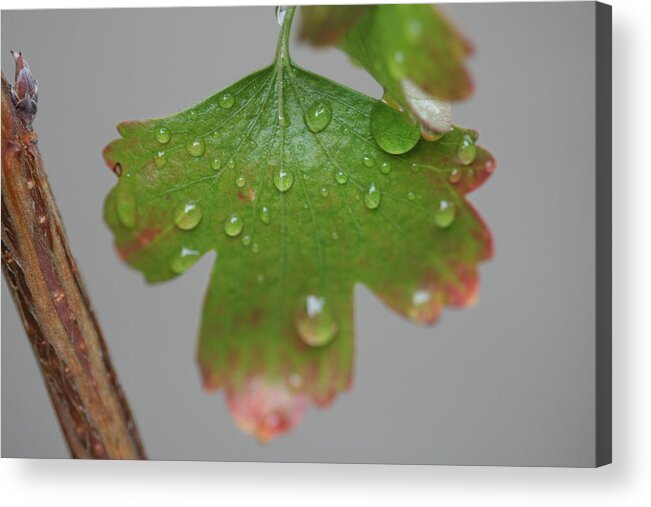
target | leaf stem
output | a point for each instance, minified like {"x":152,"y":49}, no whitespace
{"x":282,"y":49}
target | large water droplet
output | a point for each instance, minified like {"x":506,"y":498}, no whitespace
{"x":163,"y":135}
{"x":226,"y":101}
{"x":372,"y":197}
{"x":233,"y":226}
{"x":283,"y":180}
{"x":392,"y":130}
{"x":160,"y":160}
{"x":184,"y":260}
{"x":445,"y":214}
{"x":125,"y":207}
{"x":314,"y":322}
{"x":318,"y":116}
{"x":340,"y":177}
{"x":467,"y":150}
{"x":187,"y":216}
{"x":195,"y":147}
{"x":265,"y":216}
{"x":240,"y":181}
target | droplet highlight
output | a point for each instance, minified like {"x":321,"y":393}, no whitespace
{"x":184,"y":260}
{"x":265,"y":215}
{"x":216,"y":163}
{"x":188,"y":216}
{"x":226,"y":101}
{"x":160,"y":160}
{"x":341,"y":177}
{"x":455,"y":176}
{"x":240,"y":181}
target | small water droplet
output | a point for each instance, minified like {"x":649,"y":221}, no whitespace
{"x":240,"y":181}
{"x":195,"y":147}
{"x":265,"y":216}
{"x":246,"y":240}
{"x":231,"y":164}
{"x":430,"y":135}
{"x":280,"y":13}
{"x":187,"y":216}
{"x":445,"y":214}
{"x":160,"y":160}
{"x":184,"y":260}
{"x":455,"y":176}
{"x":283,"y":180}
{"x":385,"y":168}
{"x":216,"y":163}
{"x":318,"y":115}
{"x":163,"y":135}
{"x":255,"y":248}
{"x":324,"y":191}
{"x":315,"y":325}
{"x":392,"y":130}
{"x":467,"y":150}
{"x":233,"y":226}
{"x":226,"y":101}
{"x":340,"y":177}
{"x":411,"y":196}
{"x":372,"y":197}
{"x":125,"y":207}
{"x":335,"y":235}
{"x":368,"y":161}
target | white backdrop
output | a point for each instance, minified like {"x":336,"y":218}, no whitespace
{"x":625,"y":482}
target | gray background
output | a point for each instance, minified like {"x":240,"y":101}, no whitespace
{"x":508,"y":382}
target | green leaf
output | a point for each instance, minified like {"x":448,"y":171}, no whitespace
{"x":280,"y":176}
{"x":411,"y":50}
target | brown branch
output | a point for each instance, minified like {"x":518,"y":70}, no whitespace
{"x":52,"y":302}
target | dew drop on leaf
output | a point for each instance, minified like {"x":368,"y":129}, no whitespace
{"x":246,"y":240}
{"x":385,"y":168}
{"x":324,"y":191}
{"x":195,"y":147}
{"x":184,"y":260}
{"x":368,"y":161}
{"x":240,"y":181}
{"x":231,"y":164}
{"x":318,"y":115}
{"x":216,"y":163}
{"x":314,"y":323}
{"x":163,"y":135}
{"x":455,"y":176}
{"x":372,"y":197}
{"x":341,"y":177}
{"x":392,"y":130}
{"x":445,"y":214}
{"x":255,"y":248}
{"x":160,"y":160}
{"x":233,"y":226}
{"x":430,"y":135}
{"x":467,"y":150}
{"x":411,"y":196}
{"x":226,"y":101}
{"x":188,"y":216}
{"x":265,"y":215}
{"x":125,"y":206}
{"x":283,"y":180}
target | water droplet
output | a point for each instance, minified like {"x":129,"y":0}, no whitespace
{"x":324,"y":191}
{"x":372,"y":197}
{"x":314,"y":322}
{"x":392,"y":130}
{"x":467,"y":150}
{"x":411,"y":196}
{"x":160,"y":160}
{"x":368,"y":161}
{"x":318,"y":116}
{"x":335,"y":235}
{"x":255,"y":248}
{"x":430,"y":135}
{"x":340,"y":177}
{"x":283,"y":180}
{"x":125,"y":207}
{"x":184,"y":260}
{"x":188,"y":216}
{"x":163,"y":135}
{"x":455,"y":176}
{"x":195,"y":147}
{"x":265,"y":216}
{"x":445,"y":214}
{"x":246,"y":240}
{"x":385,"y":168}
{"x":233,"y":226}
{"x":240,"y":181}
{"x":231,"y":164}
{"x":216,"y":163}
{"x":226,"y":101}
{"x":280,"y":13}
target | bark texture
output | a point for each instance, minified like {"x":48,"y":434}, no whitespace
{"x":42,"y":275}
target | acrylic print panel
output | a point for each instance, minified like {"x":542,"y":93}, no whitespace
{"x":372,"y":234}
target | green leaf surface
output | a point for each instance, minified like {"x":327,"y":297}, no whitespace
{"x":404,"y":47}
{"x":280,"y":176}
